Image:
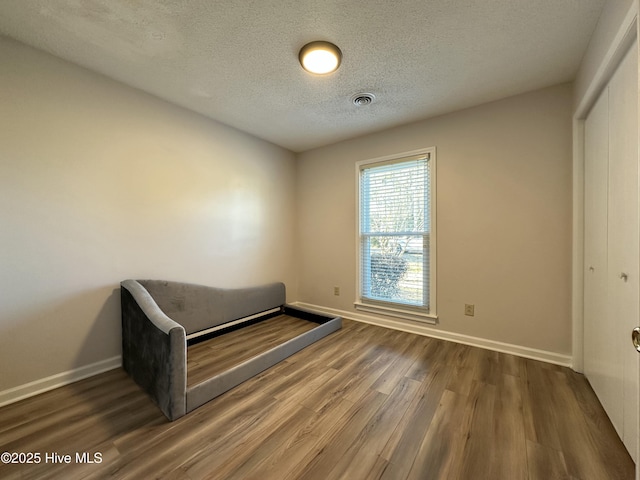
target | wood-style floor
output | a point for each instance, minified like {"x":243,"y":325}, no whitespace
{"x":363,"y":403}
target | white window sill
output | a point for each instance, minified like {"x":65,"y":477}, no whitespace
{"x":413,"y":315}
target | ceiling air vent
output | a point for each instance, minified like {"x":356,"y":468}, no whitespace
{"x":362,"y":99}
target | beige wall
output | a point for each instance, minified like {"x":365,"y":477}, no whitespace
{"x":504,"y":217}
{"x":100,"y":182}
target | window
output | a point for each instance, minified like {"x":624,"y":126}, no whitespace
{"x":396,"y":240}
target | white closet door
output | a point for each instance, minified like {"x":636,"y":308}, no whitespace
{"x":601,"y":352}
{"x":623,"y":232}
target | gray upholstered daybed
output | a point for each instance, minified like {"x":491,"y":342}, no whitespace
{"x":160,"y":319}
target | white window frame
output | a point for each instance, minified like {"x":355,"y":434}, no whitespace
{"x":389,"y":309}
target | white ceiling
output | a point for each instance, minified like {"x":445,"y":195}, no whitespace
{"x":236,"y":61}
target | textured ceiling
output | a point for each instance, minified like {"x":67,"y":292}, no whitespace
{"x":236,"y":60}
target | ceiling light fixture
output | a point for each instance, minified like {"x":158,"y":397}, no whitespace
{"x":320,"y":57}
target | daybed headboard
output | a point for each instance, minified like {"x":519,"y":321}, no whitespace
{"x":198,"y":307}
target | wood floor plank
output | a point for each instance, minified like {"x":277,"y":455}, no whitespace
{"x":402,"y":360}
{"x":365,"y":361}
{"x":403,"y":445}
{"x":365,"y":403}
{"x":434,"y":353}
{"x":444,"y":441}
{"x":252,"y":465}
{"x":462,"y":379}
{"x":584,"y":460}
{"x":489,"y":369}
{"x":259,"y":447}
{"x":366,"y":448}
{"x":291,"y":454}
{"x":539,"y":402}
{"x":545,"y":463}
{"x":477,"y":423}
{"x":509,"y":449}
{"x":334,"y":445}
{"x":601,"y":430}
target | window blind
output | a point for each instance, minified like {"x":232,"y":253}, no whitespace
{"x":394,"y":231}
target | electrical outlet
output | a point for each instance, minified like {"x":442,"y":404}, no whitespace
{"x":336,"y":291}
{"x":469,"y":309}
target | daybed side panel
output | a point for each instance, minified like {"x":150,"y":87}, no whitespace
{"x":203,"y":392}
{"x":153,"y":350}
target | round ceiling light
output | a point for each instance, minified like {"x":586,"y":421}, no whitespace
{"x":320,"y":57}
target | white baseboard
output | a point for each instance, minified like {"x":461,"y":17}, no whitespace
{"x":518,"y":350}
{"x":65,"y":378}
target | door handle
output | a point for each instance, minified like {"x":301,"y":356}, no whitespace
{"x":635,"y":337}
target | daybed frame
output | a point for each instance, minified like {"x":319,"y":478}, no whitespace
{"x":159,"y":317}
